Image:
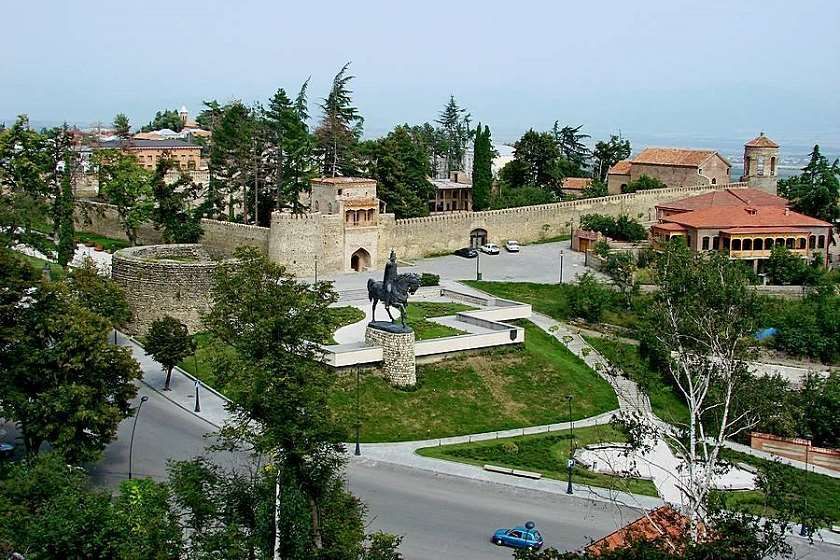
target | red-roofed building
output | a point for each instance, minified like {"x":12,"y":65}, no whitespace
{"x":744,"y":223}
{"x":575,"y":185}
{"x":675,"y":167}
{"x":663,"y":525}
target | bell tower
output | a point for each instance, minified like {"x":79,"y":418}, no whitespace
{"x":761,"y":159}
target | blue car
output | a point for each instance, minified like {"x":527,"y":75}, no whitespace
{"x":525,"y":536}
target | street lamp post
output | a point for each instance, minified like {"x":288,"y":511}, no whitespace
{"x":571,"y":462}
{"x":804,"y":529}
{"x":197,"y":401}
{"x":358,"y":450}
{"x":561,"y":266}
{"x":478,"y":264}
{"x":143,"y":399}
{"x":316,"y":269}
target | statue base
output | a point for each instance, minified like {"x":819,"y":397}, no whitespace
{"x":398,"y":360}
{"x":388,"y":326}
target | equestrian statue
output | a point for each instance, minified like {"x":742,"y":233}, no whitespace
{"x":393,"y":290}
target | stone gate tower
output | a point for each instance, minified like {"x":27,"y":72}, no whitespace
{"x":761,"y":157}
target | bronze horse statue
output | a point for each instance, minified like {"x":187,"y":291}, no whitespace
{"x":393,"y":293}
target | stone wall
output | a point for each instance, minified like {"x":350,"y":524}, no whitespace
{"x":165,"y":280}
{"x":398,"y":360}
{"x":418,"y":237}
{"x":227,"y":236}
{"x":103,"y":219}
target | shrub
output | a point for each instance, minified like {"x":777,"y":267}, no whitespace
{"x":643,"y":183}
{"x":601,"y":248}
{"x":429,"y":279}
{"x":590,"y":299}
{"x":624,"y":228}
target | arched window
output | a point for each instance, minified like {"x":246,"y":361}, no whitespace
{"x":821,"y":242}
{"x":747,"y":166}
{"x":800,"y":243}
{"x":370,"y":215}
{"x":760,"y":166}
{"x":789,"y":243}
{"x":780,"y":241}
{"x":706,"y":243}
{"x":329,"y":207}
{"x":725,"y":243}
{"x":758,"y":244}
{"x":716,"y":243}
{"x":714,"y":180}
{"x":736,"y":244}
{"x":812,"y":241}
{"x":773,"y":166}
{"x":768,"y":243}
{"x":747,"y":245}
{"x":316,"y":205}
{"x":348,"y":216}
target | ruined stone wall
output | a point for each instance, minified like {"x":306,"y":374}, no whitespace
{"x":101,"y":218}
{"x":163,"y":280}
{"x":227,"y":236}
{"x":418,"y":237}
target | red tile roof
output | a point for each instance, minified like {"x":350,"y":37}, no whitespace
{"x":576,"y":183}
{"x":662,"y":524}
{"x":679,"y":157}
{"x":620,"y":168}
{"x":761,"y":141}
{"x":342,"y":180}
{"x":763,"y":230}
{"x":669,"y":227}
{"x":726,"y":197}
{"x":740,"y":216}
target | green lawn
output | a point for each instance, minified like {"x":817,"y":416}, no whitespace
{"x":419,"y":311}
{"x":56,"y":272}
{"x":664,"y":400}
{"x":822,"y":493}
{"x":107,"y":243}
{"x":497,"y":390}
{"x":544,"y":453}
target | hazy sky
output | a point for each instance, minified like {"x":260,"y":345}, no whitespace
{"x":650,"y":68}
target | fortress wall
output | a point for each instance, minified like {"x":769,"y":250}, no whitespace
{"x":227,"y":236}
{"x":103,"y":219}
{"x":294,"y":240}
{"x":418,"y":237}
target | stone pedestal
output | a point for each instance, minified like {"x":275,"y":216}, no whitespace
{"x":397,"y":353}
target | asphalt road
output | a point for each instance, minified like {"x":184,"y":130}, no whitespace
{"x":440,"y":517}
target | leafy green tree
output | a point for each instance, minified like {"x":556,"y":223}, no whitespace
{"x":816,"y":192}
{"x":340,"y":128}
{"x":58,"y":160}
{"x":231,"y":157}
{"x":595,"y":190}
{"x":66,"y":204}
{"x":280,"y":393}
{"x":98,"y":293}
{"x":60,"y":379}
{"x":785,"y":267}
{"x":513,"y":197}
{"x":643,"y":183}
{"x":24,"y":204}
{"x":122,"y":126}
{"x":169,"y":342}
{"x":172,"y":213}
{"x":808,"y":327}
{"x":126,"y":185}
{"x":455,"y":133}
{"x":400,"y":165}
{"x":538,"y":158}
{"x":168,"y":118}
{"x":291,"y":148}
{"x":147,"y":524}
{"x":607,"y":154}
{"x":623,"y":228}
{"x":592,"y":298}
{"x":570,"y":141}
{"x":482,"y":172}
{"x":620,"y":267}
{"x":819,"y":406}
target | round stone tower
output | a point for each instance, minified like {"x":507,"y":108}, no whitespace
{"x":761,"y":157}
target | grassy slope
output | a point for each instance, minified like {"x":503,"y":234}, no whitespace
{"x":424,"y":330}
{"x":821,"y":492}
{"x":492,"y":391}
{"x":544,"y":453}
{"x":665,"y":401}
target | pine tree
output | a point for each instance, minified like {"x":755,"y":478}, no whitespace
{"x":607,"y":154}
{"x":816,"y":192}
{"x":66,"y":204}
{"x":340,"y":129}
{"x":122,"y":127}
{"x":482,"y":173}
{"x":455,"y":130}
{"x":570,"y":142}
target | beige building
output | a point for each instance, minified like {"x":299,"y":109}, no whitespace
{"x":148,"y":152}
{"x":744,"y":223}
{"x":761,"y":156}
{"x":451,"y":195}
{"x":575,"y":186}
{"x":675,"y":167}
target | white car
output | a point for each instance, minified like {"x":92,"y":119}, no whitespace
{"x":512,"y":246}
{"x":490,"y":249}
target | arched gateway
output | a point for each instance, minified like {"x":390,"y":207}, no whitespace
{"x":478,"y":237}
{"x":360,"y":260}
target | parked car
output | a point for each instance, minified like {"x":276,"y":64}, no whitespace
{"x":512,"y":246}
{"x":490,"y":249}
{"x":525,"y":536}
{"x":466,"y":252}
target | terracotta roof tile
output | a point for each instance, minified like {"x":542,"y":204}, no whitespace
{"x":576,"y":183}
{"x":752,"y":230}
{"x":662,"y":523}
{"x":681,"y":157}
{"x":342,"y":180}
{"x":761,"y":141}
{"x":741,"y":216}
{"x":668,"y":226}
{"x":726,"y":197}
{"x":620,"y":168}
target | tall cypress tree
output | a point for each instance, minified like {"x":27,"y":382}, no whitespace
{"x":482,"y":173}
{"x":65,"y":203}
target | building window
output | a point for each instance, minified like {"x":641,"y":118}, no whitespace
{"x":773,"y":166}
{"x":812,"y":241}
{"x":714,"y":180}
{"x":789,"y":243}
{"x":800,"y":243}
{"x":316,"y":205}
{"x":821,"y":241}
{"x":780,"y":241}
{"x":760,"y":167}
{"x":768,"y":243}
{"x":747,"y":245}
{"x":736,"y":244}
{"x":329,"y":207}
{"x":716,"y":243}
{"x":705,"y":243}
{"x":758,"y":244}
